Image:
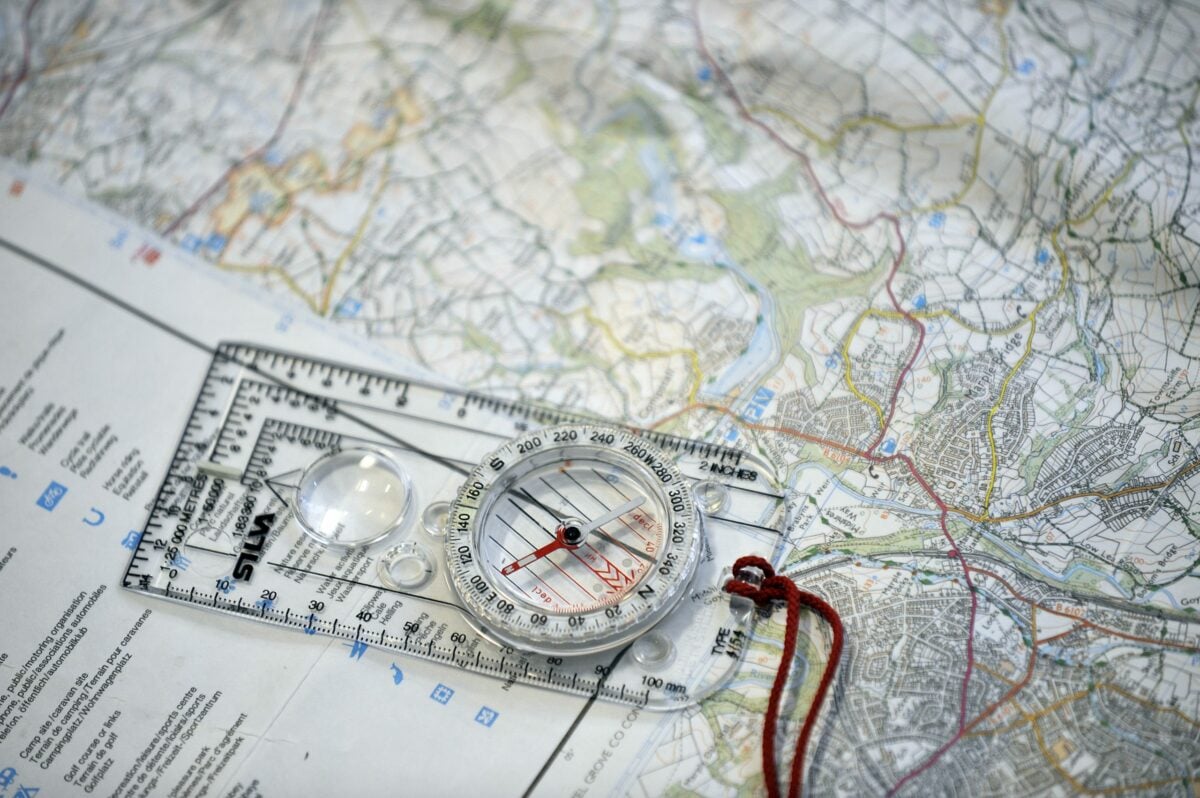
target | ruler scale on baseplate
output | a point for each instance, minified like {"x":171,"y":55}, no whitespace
{"x":522,"y":542}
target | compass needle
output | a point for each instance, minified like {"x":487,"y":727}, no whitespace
{"x":529,"y":559}
{"x":627,"y":507}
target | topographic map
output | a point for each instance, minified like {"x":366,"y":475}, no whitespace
{"x":937,"y":261}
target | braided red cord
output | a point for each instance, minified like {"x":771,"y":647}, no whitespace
{"x":780,"y":588}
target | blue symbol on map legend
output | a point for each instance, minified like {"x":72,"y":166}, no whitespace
{"x":919,"y":302}
{"x":51,"y":496}
{"x":5,"y":471}
{"x":397,"y":674}
{"x":132,"y":539}
{"x":937,"y":220}
{"x":442,"y":694}
{"x":357,"y":649}
{"x":889,"y":446}
{"x":486,"y":716}
{"x":6,"y":777}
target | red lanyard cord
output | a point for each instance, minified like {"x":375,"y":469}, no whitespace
{"x":780,"y":588}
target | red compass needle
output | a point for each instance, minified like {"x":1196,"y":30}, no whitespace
{"x":529,"y":559}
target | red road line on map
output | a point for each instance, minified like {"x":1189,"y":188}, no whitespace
{"x":1082,"y":621}
{"x":23,"y":70}
{"x":293,"y":100}
{"x":894,"y":222}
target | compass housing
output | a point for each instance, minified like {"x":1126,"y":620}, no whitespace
{"x":525,"y":586}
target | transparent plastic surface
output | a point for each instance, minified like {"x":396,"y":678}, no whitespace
{"x":279,"y":528}
{"x":354,"y":497}
{"x":407,"y":566}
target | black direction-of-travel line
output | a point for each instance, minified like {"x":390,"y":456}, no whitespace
{"x":217,"y":353}
{"x":575,"y":723}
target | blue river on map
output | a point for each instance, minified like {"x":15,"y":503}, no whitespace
{"x":763,"y":350}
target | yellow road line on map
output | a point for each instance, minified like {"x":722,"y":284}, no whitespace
{"x":995,"y":675}
{"x":946,"y":312}
{"x":1121,"y":691}
{"x":995,"y":408}
{"x":1015,"y":687}
{"x":849,"y":377}
{"x":1033,"y":717}
{"x":693,"y":358}
{"x":1062,"y":287}
{"x":1060,"y":253}
{"x":269,"y":268}
{"x":321,"y":307}
{"x":874,"y":120}
{"x":917,"y":314}
{"x":363,"y":223}
{"x":870,"y":120}
{"x":980,"y":121}
{"x":1097,"y":494}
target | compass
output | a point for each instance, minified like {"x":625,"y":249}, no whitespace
{"x":573,"y":539}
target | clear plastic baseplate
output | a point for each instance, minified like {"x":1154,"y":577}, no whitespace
{"x":250,"y":521}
